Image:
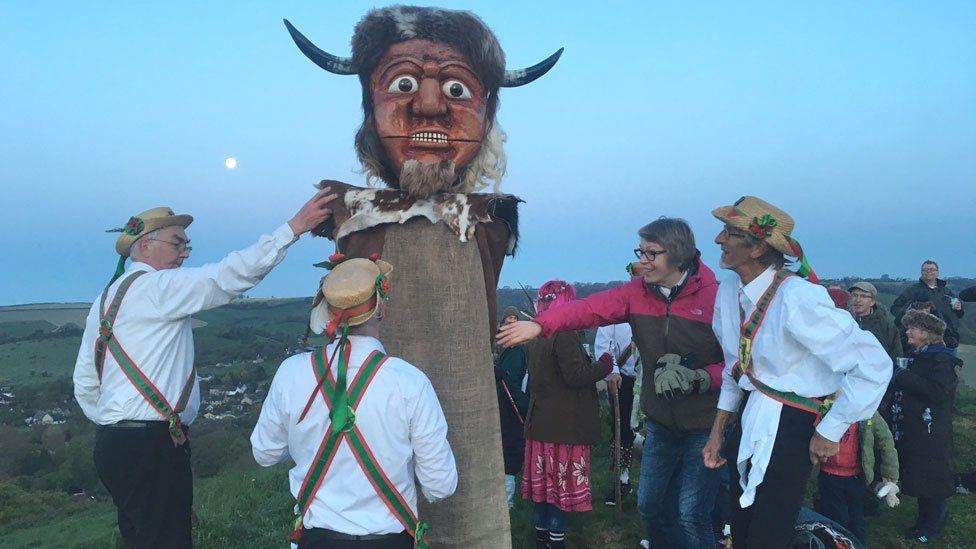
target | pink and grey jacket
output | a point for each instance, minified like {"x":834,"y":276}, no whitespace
{"x":681,"y":325}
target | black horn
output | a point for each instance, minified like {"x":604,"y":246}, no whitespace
{"x":513,"y":79}
{"x":329,"y":62}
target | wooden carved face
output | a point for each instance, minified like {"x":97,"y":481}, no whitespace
{"x":428,"y":104}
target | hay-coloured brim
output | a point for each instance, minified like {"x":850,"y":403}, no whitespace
{"x":735,"y":218}
{"x":125,"y":241}
{"x":321,"y":315}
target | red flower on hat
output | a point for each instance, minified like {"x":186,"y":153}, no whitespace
{"x":382,"y":285}
{"x":762,"y":227}
{"x":134,"y":226}
{"x":336,"y":258}
{"x":374,"y":257}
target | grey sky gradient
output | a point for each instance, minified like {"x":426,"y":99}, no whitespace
{"x":859,"y":119}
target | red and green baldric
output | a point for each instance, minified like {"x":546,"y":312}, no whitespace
{"x":353,"y":436}
{"x":744,"y":365}
{"x":108,"y":341}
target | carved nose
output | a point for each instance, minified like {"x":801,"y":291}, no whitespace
{"x":430,"y":101}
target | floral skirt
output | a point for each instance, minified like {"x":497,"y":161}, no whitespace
{"x":558,"y":474}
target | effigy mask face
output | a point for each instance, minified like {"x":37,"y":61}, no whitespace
{"x":429,"y":106}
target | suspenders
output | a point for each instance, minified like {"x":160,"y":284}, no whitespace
{"x":107,"y":341}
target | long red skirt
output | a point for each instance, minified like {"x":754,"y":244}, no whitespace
{"x":558,"y":474}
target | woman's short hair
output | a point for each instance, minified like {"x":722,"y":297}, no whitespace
{"x":675,"y":236}
{"x":926,"y":322}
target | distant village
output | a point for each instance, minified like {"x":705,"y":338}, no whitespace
{"x":220,"y":400}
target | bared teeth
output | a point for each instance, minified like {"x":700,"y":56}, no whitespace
{"x":429,"y":137}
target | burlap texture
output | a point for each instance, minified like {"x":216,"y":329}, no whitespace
{"x":437,"y":320}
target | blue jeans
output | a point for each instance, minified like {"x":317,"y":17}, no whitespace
{"x":677,"y":492}
{"x":546,"y":516}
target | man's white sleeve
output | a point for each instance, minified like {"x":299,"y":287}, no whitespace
{"x":85,"y":378}
{"x":730,"y":397}
{"x":434,"y":461}
{"x":269,"y":440}
{"x":179,"y":293}
{"x":832,"y":335}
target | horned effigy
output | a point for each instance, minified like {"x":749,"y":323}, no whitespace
{"x":430,"y":80}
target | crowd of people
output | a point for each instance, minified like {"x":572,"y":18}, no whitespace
{"x":742,"y":388}
{"x":834,"y":379}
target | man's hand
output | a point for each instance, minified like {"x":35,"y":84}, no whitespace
{"x":821,"y":449}
{"x":956,"y":305}
{"x":313,"y":213}
{"x":712,"y":452}
{"x":517,"y":333}
{"x":613,"y":383}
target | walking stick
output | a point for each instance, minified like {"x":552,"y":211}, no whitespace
{"x":512,"y":402}
{"x":615,"y":402}
{"x":615,"y":398}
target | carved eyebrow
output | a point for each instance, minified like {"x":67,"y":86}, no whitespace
{"x":401,"y":61}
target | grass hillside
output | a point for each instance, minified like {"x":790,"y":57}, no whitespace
{"x":239,"y":504}
{"x":246,"y":506}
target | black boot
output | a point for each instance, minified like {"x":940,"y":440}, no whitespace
{"x":541,"y":539}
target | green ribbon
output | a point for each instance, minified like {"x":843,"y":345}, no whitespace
{"x":341,"y":414}
{"x":119,"y":269}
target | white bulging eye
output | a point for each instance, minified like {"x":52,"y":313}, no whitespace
{"x":456,"y":90}
{"x":404,"y":84}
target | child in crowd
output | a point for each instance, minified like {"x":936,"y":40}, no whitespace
{"x":563,"y":423}
{"x":843,"y":476}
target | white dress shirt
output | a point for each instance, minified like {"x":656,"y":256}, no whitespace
{"x":805,"y":345}
{"x":401,"y":420}
{"x":154,"y":327}
{"x":621,"y":336}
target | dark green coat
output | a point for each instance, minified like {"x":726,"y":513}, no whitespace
{"x":563,"y":404}
{"x":881,"y":323}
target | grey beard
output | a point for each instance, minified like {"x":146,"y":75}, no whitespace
{"x":424,"y":180}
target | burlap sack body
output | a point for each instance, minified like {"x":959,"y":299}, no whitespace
{"x":437,"y":320}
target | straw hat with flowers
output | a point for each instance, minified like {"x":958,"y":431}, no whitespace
{"x":768,"y":223}
{"x":139,"y":226}
{"x":349,"y":295}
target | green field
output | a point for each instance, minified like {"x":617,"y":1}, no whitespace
{"x":239,"y":504}
{"x":247,"y":506}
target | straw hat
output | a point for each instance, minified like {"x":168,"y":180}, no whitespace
{"x":766,"y":222}
{"x":350,"y":294}
{"x":145,"y":223}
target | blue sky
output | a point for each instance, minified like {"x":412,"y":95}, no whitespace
{"x":856,"y":118}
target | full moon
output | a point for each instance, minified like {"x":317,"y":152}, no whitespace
{"x":231,"y":162}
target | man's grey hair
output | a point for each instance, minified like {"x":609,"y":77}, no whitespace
{"x":772,"y":257}
{"x":675,"y":236}
{"x":134,"y":252}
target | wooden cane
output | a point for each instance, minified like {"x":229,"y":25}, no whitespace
{"x":615,"y":398}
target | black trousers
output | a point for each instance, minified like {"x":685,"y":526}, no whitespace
{"x":150,"y":482}
{"x":933,"y":513}
{"x":626,"y":397}
{"x":319,"y":538}
{"x":769,"y":522}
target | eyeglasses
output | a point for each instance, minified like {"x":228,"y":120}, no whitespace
{"x":649,"y":254}
{"x":930,"y":270}
{"x":180,"y":246}
{"x":729,"y":232}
